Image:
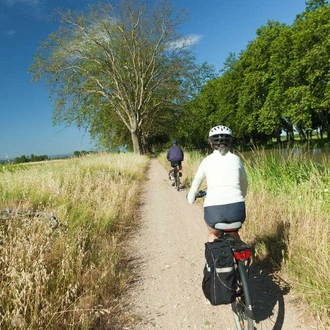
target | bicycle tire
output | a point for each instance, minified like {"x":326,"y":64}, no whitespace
{"x":177,"y":181}
{"x":242,"y":306}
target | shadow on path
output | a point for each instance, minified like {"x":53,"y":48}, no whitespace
{"x":268,"y":297}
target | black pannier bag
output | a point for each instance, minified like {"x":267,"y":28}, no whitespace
{"x":219,"y":281}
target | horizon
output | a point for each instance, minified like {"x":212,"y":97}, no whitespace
{"x":49,"y":156}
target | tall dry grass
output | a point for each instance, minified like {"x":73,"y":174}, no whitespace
{"x":288,"y":207}
{"x":290,"y":224}
{"x":68,"y":276}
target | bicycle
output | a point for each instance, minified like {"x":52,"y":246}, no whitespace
{"x":175,"y":175}
{"x":242,"y":307}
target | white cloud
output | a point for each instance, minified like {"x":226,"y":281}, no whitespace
{"x":193,"y":40}
{"x":34,"y":8}
{"x":188,"y":41}
{"x":10,"y":33}
{"x":33,"y":3}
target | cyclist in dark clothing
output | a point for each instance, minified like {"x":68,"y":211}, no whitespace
{"x":175,"y":155}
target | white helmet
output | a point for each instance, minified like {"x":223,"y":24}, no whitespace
{"x":218,"y":130}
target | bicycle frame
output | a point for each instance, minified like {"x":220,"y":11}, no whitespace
{"x":177,"y":173}
{"x":243,"y":307}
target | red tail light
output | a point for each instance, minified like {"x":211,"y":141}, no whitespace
{"x":242,"y":255}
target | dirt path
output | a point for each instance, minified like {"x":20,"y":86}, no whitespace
{"x":169,"y":256}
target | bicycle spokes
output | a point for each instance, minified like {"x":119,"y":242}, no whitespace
{"x":242,"y":318}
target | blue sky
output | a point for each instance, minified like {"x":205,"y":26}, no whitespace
{"x":218,"y":27}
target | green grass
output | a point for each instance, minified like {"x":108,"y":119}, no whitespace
{"x":72,"y":276}
{"x":288,"y":208}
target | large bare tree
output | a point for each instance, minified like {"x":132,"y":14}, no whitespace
{"x":122,"y":64}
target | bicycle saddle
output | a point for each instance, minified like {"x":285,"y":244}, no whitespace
{"x":228,"y":226}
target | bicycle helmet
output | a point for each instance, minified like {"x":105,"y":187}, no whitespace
{"x":221,"y":137}
{"x":175,"y":141}
{"x":220,"y":130}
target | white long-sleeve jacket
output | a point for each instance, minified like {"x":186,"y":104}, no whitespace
{"x":225,"y":177}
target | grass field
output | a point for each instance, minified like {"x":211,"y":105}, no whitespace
{"x":74,"y":273}
{"x":71,"y":274}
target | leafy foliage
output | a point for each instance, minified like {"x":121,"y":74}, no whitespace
{"x":279,"y":83}
{"x":124,"y":73}
{"x":118,"y":70}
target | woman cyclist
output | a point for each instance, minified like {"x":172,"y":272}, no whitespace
{"x":226,"y":183}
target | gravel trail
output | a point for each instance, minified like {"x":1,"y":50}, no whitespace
{"x":168,"y":252}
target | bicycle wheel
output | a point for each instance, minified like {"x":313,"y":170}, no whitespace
{"x":177,"y":181}
{"x":242,"y":306}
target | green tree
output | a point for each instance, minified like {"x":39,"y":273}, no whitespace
{"x":259,"y":109}
{"x":197,"y":121}
{"x":192,"y":122}
{"x":21,"y":159}
{"x":281,"y":81}
{"x":119,"y":66}
{"x":308,"y":96}
{"x":311,"y":6}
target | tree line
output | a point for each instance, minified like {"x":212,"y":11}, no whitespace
{"x":124,"y":73}
{"x":34,"y":158}
{"x":279,"y":83}
{"x":28,"y":159}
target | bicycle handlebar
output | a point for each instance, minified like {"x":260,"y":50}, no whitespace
{"x":200,"y":194}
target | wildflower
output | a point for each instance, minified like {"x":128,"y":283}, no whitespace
{"x":325,"y":190}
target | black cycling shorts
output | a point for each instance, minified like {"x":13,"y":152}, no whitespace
{"x":227,"y":213}
{"x":175,"y":163}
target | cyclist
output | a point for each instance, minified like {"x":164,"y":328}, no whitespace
{"x":226,"y":183}
{"x":175,"y":156}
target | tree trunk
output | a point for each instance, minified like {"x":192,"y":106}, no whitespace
{"x":137,"y":148}
{"x":301,"y":133}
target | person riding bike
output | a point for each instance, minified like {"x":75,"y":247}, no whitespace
{"x":175,"y":156}
{"x":226,"y":180}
